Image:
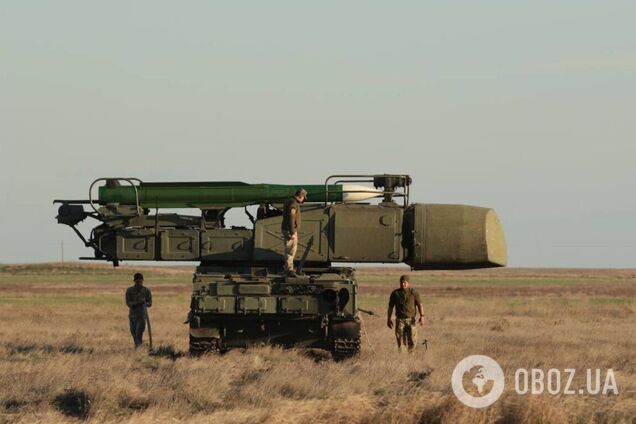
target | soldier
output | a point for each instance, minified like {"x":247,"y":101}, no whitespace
{"x":138,"y":298}
{"x":290,"y":228}
{"x":405,"y":300}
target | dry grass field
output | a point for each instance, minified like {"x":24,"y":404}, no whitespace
{"x":66,"y":354}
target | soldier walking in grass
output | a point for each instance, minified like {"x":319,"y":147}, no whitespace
{"x":138,"y":298}
{"x":290,"y":227}
{"x":405,"y":300}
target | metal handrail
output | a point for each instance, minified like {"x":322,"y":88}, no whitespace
{"x":129,"y":180}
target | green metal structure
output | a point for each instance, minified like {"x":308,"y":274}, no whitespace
{"x":240,"y":296}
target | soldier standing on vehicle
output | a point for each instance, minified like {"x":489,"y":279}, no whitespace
{"x":138,"y":298}
{"x":290,"y":228}
{"x":405,"y":300}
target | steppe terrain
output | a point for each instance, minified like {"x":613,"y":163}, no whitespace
{"x":66,"y":354}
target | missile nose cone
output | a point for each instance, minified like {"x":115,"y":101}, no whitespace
{"x":358,"y":193}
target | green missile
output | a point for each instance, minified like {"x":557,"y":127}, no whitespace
{"x":206,"y":195}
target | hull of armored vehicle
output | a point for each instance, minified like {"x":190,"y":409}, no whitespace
{"x":231,"y":309}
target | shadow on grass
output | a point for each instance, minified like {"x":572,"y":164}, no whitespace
{"x":317,"y":355}
{"x":167,"y":351}
{"x":13,"y":405}
{"x":73,"y":403}
{"x":419,"y":377}
{"x":133,"y":403}
{"x":26,"y":348}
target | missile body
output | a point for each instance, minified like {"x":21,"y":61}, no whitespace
{"x":227,"y":194}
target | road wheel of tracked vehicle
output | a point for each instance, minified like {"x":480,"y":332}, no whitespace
{"x":345,"y":348}
{"x":202,"y":345}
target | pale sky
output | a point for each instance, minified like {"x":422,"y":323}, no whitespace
{"x":525,"y":107}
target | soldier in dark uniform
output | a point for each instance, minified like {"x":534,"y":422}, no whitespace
{"x":290,"y":227}
{"x":138,"y":298}
{"x":405,"y":300}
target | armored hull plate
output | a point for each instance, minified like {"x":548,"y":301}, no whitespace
{"x":254,"y":307}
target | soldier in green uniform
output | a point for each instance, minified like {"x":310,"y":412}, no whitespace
{"x":138,"y":298}
{"x":290,"y":227}
{"x":405,"y":300}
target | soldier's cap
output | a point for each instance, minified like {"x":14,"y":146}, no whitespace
{"x":138,"y":276}
{"x":404,"y":278}
{"x":300,"y":192}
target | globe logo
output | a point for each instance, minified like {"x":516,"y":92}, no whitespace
{"x":477,"y":381}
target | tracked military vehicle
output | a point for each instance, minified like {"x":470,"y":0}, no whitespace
{"x":240,"y":295}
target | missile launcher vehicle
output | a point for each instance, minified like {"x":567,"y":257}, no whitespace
{"x":241,"y":297}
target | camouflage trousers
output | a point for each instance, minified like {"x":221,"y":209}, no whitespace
{"x":291,"y":245}
{"x":137,"y":328}
{"x":406,"y":333}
